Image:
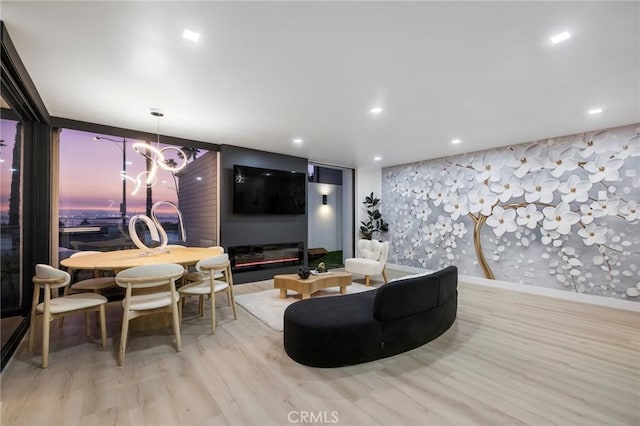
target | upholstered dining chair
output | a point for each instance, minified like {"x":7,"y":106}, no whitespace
{"x":49,"y":279}
{"x":217,"y":277}
{"x":149,"y":289}
{"x":96,"y":284}
{"x":196,"y":275}
{"x":372,"y":260}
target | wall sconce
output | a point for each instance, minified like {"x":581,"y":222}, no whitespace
{"x":324,"y":199}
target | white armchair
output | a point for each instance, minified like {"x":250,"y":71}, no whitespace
{"x":371,"y":261}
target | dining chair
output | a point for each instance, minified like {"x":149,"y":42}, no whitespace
{"x":196,"y":275}
{"x":217,"y":277}
{"x":149,"y":289}
{"x":95,"y":284}
{"x":49,"y":279}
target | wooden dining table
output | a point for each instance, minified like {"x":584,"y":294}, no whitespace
{"x":119,"y":260}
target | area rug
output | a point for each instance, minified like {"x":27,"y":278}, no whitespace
{"x":267,"y":306}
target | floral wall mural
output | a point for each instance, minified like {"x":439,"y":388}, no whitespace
{"x":559,"y":213}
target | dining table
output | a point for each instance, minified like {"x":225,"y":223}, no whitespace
{"x":119,"y":260}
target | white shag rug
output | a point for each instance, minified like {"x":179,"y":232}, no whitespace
{"x":267,"y":306}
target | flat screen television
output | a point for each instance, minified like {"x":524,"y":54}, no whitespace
{"x":267,"y":191}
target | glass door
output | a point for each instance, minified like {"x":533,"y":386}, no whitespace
{"x":11,"y":290}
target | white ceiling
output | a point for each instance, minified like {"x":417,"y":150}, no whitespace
{"x":264,"y":73}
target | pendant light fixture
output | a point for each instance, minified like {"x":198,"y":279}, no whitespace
{"x":156,"y":156}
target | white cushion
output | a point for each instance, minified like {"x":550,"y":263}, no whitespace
{"x":217,"y":261}
{"x":369,"y":249}
{"x":73,"y":302}
{"x":149,"y":275}
{"x":203,"y":287}
{"x":363,"y":266}
{"x":149,"y":301}
{"x":199,"y":276}
{"x":95,"y":284}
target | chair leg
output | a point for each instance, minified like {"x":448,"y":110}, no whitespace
{"x":103,"y":325}
{"x":213,"y":313}
{"x":201,"y":305}
{"x":65,"y":293}
{"x":181,"y":300}
{"x":123,"y":336}
{"x":32,"y":321}
{"x":176,"y":326}
{"x":97,"y":312}
{"x":367,"y":281}
{"x":46,"y":325}
{"x":87,"y":330}
{"x":384,"y":275}
{"x":232,"y":298}
{"x":232,"y":301}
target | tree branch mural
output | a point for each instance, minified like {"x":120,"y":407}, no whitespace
{"x":558,"y":197}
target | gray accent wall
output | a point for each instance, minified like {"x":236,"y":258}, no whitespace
{"x":243,"y":229}
{"x":197,"y":192}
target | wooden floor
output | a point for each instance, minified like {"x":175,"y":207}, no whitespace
{"x":510,"y":358}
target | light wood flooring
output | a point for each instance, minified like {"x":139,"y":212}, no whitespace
{"x":510,"y":358}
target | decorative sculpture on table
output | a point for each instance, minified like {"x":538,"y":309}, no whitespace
{"x":155,"y":229}
{"x":304,"y":272}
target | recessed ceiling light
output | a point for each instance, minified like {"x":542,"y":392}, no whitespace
{"x":199,"y":178}
{"x":594,"y":111}
{"x":456,"y":141}
{"x":191,"y":35}
{"x":376,"y":110}
{"x":377,"y":158}
{"x":298,"y":140}
{"x":558,"y":38}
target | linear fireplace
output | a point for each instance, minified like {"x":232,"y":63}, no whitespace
{"x":266,"y":256}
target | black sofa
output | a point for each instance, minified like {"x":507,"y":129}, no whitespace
{"x":345,"y":330}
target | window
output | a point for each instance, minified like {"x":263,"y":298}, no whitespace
{"x":10,"y":214}
{"x":105,"y":180}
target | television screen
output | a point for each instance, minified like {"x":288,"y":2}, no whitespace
{"x":266,"y":191}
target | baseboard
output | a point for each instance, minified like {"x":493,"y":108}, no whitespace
{"x":608,"y":302}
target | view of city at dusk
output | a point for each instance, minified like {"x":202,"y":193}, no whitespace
{"x":90,"y":174}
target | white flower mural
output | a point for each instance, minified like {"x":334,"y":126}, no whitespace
{"x":559,"y":213}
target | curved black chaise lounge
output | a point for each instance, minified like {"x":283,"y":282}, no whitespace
{"x":345,"y":330}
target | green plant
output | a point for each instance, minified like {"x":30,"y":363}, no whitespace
{"x":374,"y":222}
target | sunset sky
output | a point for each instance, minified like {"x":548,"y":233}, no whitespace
{"x":90,"y":172}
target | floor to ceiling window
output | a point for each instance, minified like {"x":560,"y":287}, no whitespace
{"x":24,"y":193}
{"x":11,"y":297}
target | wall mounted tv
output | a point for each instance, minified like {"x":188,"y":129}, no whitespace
{"x":266,"y":191}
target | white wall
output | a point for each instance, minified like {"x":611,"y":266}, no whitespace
{"x":325,"y":221}
{"x":347,"y":213}
{"x":367,"y":180}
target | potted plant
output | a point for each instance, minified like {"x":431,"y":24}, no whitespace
{"x":374,"y":222}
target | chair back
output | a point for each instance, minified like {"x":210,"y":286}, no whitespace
{"x":374,"y":250}
{"x":412,"y":295}
{"x":149,"y":275}
{"x":217,"y":262}
{"x":50,"y":276}
{"x":84,"y":253}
